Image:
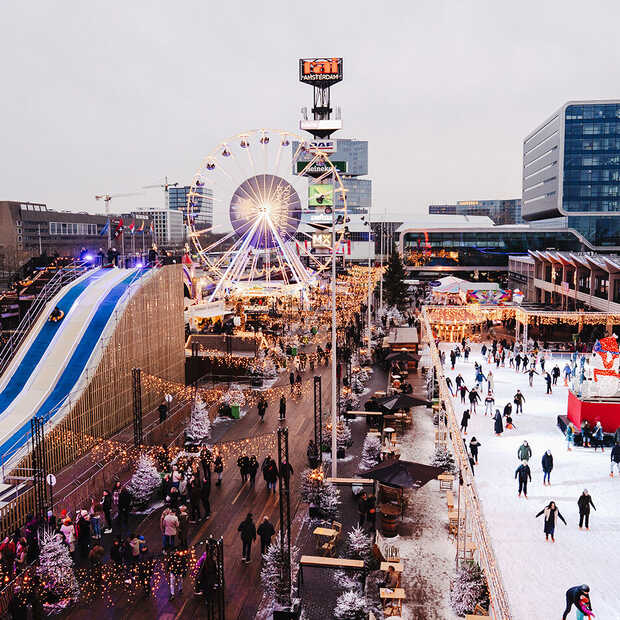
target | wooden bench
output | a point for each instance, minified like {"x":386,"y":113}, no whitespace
{"x":450,"y":500}
{"x":318,"y":560}
{"x":351,"y":481}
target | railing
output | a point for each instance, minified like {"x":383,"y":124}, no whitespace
{"x":470,"y":508}
{"x":61,"y":278}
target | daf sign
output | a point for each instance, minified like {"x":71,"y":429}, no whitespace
{"x":327,"y":146}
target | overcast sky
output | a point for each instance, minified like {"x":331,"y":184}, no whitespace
{"x":98,"y":97}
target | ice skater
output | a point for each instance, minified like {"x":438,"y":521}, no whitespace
{"x":474,"y":397}
{"x":552,"y":514}
{"x":583,"y":503}
{"x":463,"y":391}
{"x":548,"y":381}
{"x":567,"y":373}
{"x":575,"y":596}
{"x":615,"y":460}
{"x":464,"y":421}
{"x":570,"y":436}
{"x":518,"y":400}
{"x":547,"y":466}
{"x":524,"y":453}
{"x":524,"y":474}
{"x":450,"y":387}
{"x":498,"y":425}
{"x":597,"y":437}
{"x":489,"y":404}
{"x":474,"y":444}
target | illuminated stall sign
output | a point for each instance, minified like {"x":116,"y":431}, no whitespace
{"x":321,"y":195}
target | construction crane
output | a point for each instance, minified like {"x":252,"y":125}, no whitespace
{"x":165,"y":186}
{"x":106,"y":199}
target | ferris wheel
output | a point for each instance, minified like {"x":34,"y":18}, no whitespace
{"x":279,"y":195}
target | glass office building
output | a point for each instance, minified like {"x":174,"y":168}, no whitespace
{"x":571,"y":173}
{"x":500,"y":211}
{"x":177,"y":201}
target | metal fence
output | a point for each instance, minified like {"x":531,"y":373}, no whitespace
{"x":471,"y":518}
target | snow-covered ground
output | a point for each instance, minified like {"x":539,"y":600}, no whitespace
{"x":537,"y":573}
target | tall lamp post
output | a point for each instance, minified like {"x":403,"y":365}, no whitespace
{"x":334,"y":344}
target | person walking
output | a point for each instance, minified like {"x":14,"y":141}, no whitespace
{"x":194,"y":499}
{"x":518,"y":400}
{"x":524,"y":453}
{"x":265,"y":531}
{"x":547,"y":466}
{"x":552,"y":514}
{"x":252,"y":469}
{"x":524,"y":474}
{"x":474,"y":444}
{"x":218,"y":468}
{"x":282,"y":407}
{"x":169,"y":525}
{"x":262,"y":408}
{"x":247,"y":531}
{"x":243,"y":463}
{"x":183,"y":529}
{"x":598,"y":437}
{"x":270,"y":473}
{"x":176,"y":567}
{"x":106,"y":506}
{"x":498,"y":425}
{"x":124,"y":506}
{"x":371,"y":511}
{"x":362,"y":507}
{"x":205,"y":492}
{"x":291,"y":378}
{"x":584,"y":502}
{"x":464,"y":421}
{"x":286,"y":471}
{"x":574,"y":597}
{"x":615,"y":460}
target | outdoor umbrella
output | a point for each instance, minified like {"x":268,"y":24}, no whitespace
{"x":401,"y":401}
{"x":402,"y":355}
{"x":403,"y":474}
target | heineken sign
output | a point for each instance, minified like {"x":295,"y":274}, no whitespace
{"x":320,"y":168}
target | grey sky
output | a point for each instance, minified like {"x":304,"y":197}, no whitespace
{"x":98,"y":97}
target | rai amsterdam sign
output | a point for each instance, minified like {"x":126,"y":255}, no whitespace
{"x":320,"y":72}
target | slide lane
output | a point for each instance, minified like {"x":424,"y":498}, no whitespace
{"x":37,"y":348}
{"x":60,"y":380}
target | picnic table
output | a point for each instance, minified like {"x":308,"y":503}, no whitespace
{"x":396,"y":593}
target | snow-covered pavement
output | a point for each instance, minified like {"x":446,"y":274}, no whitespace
{"x":537,"y":573}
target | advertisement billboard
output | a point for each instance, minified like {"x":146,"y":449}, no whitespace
{"x":321,"y":240}
{"x":321,"y":195}
{"x":327,"y":146}
{"x":319,"y":168}
{"x":320,"y":72}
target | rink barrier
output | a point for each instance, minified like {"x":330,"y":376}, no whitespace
{"x":472,"y":522}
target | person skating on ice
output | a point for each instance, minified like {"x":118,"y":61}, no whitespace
{"x":547,"y":466}
{"x":498,"y":425}
{"x":615,"y":460}
{"x":524,"y":453}
{"x":524,"y":474}
{"x":583,"y":503}
{"x":552,"y":514}
{"x":474,"y":444}
{"x":474,"y":397}
{"x":489,"y":404}
{"x":464,"y":421}
{"x":574,"y":597}
{"x":518,"y":400}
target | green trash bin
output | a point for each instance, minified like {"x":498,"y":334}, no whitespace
{"x":235,"y":411}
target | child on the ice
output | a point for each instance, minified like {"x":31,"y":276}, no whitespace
{"x":583,"y":608}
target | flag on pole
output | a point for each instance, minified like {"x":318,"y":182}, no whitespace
{"x":141,"y":229}
{"x":152,"y":229}
{"x":104,"y":230}
{"x":132,"y":226}
{"x":119,"y":229}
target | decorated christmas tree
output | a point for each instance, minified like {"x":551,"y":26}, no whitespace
{"x":371,"y":452}
{"x":394,"y":285}
{"x":443,"y":458}
{"x":359,"y":544}
{"x":351,"y":605}
{"x":144,"y":481}
{"x":343,"y":435}
{"x":272,"y":570}
{"x":316,"y":491}
{"x":199,"y":429}
{"x":56,"y":571}
{"x":468,"y":589}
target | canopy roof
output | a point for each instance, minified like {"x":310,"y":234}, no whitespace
{"x":404,"y":474}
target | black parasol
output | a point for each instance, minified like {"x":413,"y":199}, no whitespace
{"x":403,"y":474}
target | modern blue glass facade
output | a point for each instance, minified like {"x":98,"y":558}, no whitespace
{"x":500,"y":211}
{"x":177,"y":201}
{"x":571,"y":172}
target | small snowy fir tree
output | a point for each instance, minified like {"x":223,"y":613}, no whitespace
{"x":468,"y":589}
{"x":351,"y":605}
{"x":359,"y":544}
{"x":317,"y":491}
{"x":444,"y":459}
{"x":343,"y":435}
{"x":56,"y":570}
{"x":371,"y":452}
{"x":144,"y":481}
{"x":199,"y":429}
{"x":270,"y":574}
{"x":357,"y":385}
